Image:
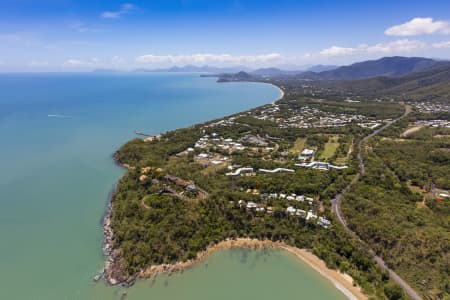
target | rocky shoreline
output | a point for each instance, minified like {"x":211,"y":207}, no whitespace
{"x":112,"y":271}
{"x":108,"y":240}
{"x":255,"y":244}
{"x":342,"y":281}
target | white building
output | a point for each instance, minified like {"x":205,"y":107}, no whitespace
{"x":323,"y":222}
{"x":290,"y":210}
{"x":251,"y":205}
{"x":240,"y":171}
{"x":310,"y":215}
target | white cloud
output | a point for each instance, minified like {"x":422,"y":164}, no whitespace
{"x":118,"y":61}
{"x":337,"y":51}
{"x":38,"y":63}
{"x":441,"y":45}
{"x":394,"y":47}
{"x":207,"y":58}
{"x":76,"y":63}
{"x":124,"y":8}
{"x":399,"y":46}
{"x":419,"y":26}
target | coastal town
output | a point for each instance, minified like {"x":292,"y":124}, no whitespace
{"x":303,"y":116}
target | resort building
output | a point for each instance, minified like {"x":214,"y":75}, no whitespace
{"x":241,"y":171}
{"x":320,"y":165}
{"x":277,"y":170}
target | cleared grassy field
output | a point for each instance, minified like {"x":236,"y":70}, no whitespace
{"x":329,"y":148}
{"x":299,"y":145}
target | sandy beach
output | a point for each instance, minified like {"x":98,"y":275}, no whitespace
{"x":342,"y":281}
{"x":281,"y":92}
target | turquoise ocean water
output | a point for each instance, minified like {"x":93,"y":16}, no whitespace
{"x":58,"y":132}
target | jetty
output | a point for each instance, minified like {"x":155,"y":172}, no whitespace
{"x":138,"y":132}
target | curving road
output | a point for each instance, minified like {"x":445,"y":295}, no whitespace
{"x":336,"y":202}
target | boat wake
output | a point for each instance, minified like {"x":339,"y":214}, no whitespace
{"x":58,"y":116}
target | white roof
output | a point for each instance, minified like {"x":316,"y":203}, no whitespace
{"x":251,"y":204}
{"x":290,"y":209}
{"x":307,"y":152}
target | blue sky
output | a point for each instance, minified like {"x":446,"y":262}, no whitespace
{"x":81,"y":35}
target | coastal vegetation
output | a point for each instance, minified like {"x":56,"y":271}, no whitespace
{"x":397,"y":210}
{"x":156,"y":221}
{"x":248,"y":175}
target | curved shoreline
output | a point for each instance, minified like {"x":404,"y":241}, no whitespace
{"x":281,"y":92}
{"x":341,"y":281}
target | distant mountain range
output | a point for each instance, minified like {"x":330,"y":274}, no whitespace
{"x":386,"y":66}
{"x":390,"y":75}
{"x":280,"y":72}
{"x":197,"y":69}
{"x":430,"y":83}
{"x":321,"y":68}
{"x":235,"y":69}
{"x":406,"y":77}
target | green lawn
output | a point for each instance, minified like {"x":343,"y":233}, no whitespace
{"x":299,"y":145}
{"x":329,"y":148}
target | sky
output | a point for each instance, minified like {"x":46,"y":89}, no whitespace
{"x":69,"y":35}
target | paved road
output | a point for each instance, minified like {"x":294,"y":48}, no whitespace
{"x":336,"y":202}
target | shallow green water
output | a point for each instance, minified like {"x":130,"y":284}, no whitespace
{"x":237,"y":274}
{"x":58,"y":132}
